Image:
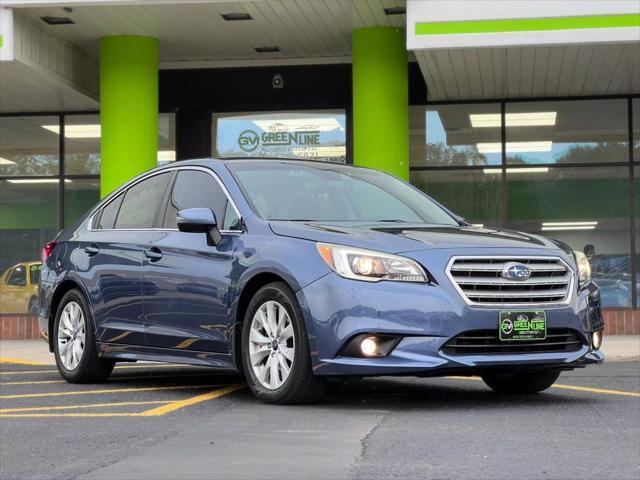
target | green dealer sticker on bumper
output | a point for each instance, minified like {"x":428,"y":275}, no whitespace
{"x":523,"y":325}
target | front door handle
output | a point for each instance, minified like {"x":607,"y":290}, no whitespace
{"x":92,"y":250}
{"x":153,"y":254}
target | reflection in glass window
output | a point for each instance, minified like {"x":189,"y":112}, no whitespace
{"x":29,"y":145}
{"x":28,"y":220}
{"x":635,"y":105}
{"x":474,"y":195}
{"x":459,"y":135}
{"x":79,"y":197}
{"x":584,"y":131}
{"x":587,"y":208}
{"x":317,"y":135}
{"x":82,"y":145}
{"x":166,"y":138}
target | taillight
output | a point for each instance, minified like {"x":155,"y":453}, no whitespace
{"x":47,"y":250}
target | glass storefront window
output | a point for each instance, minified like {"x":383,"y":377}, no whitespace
{"x":82,"y":144}
{"x":473,"y":194}
{"x":28,"y":220}
{"x":317,"y":135}
{"x":572,"y":131}
{"x":585,"y":207}
{"x":635,"y":106}
{"x":166,"y":138}
{"x":455,"y":135}
{"x":80,"y":195}
{"x":29,"y":145}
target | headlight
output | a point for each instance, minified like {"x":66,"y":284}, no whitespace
{"x":584,"y":269}
{"x":370,"y":266}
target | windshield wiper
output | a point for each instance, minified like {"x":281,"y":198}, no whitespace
{"x":386,"y":220}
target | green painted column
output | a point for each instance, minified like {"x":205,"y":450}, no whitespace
{"x":381,"y":100}
{"x":128,"y":108}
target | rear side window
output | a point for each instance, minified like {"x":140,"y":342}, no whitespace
{"x":141,"y":202}
{"x":195,"y":189}
{"x":109,"y":213}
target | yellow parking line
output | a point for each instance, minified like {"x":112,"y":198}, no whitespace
{"x":40,"y":382}
{"x":110,"y":380}
{"x":53,"y":370}
{"x":74,"y":407}
{"x":19,"y":361}
{"x":604,"y":391}
{"x":171,"y":407}
{"x":154,"y":412}
{"x":108,"y":390}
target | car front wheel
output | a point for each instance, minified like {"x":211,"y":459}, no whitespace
{"x":521,"y":382}
{"x":74,"y":343}
{"x":275,"y":349}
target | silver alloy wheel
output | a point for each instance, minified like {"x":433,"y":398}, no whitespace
{"x":71,"y":335}
{"x":271,"y":345}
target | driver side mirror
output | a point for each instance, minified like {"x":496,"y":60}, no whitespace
{"x":199,"y":220}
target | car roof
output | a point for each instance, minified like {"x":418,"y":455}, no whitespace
{"x":234,"y":160}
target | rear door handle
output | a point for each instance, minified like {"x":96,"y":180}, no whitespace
{"x":153,"y":254}
{"x":92,"y":250}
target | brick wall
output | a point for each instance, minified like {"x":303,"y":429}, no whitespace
{"x":23,"y":327}
{"x":19,"y":327}
{"x":621,"y":322}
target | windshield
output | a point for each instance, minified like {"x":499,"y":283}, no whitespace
{"x":299,"y":191}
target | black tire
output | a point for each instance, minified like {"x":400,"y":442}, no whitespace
{"x":91,"y":368}
{"x":301,"y":386}
{"x":522,"y":382}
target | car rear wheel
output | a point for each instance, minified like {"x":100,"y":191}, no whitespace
{"x":275,"y":349}
{"x":521,"y":382}
{"x":74,"y":342}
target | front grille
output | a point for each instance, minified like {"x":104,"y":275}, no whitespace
{"x":481,"y":282}
{"x":477,"y":342}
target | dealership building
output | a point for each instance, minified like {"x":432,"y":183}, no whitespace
{"x":521,"y":114}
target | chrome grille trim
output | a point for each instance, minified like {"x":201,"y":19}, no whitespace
{"x":479,"y":281}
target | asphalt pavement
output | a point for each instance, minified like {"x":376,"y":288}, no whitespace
{"x":152,"y":421}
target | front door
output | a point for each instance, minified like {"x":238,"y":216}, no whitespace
{"x":187,"y":282}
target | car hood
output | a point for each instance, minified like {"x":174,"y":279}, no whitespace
{"x":396,"y":238}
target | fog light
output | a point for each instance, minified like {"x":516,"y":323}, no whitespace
{"x":596,"y":339}
{"x":369,"y":346}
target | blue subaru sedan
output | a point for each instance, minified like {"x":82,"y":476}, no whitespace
{"x":292,"y":272}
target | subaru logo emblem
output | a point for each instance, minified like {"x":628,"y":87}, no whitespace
{"x":515,"y":271}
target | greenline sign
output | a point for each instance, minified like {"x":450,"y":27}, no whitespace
{"x":527,"y":24}
{"x":249,"y":140}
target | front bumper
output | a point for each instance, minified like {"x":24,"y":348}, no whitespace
{"x":426,"y":317}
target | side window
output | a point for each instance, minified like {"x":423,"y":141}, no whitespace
{"x":195,"y":189}
{"x":141,"y":202}
{"x":34,"y":273}
{"x":109,"y":213}
{"x":18,"y":277}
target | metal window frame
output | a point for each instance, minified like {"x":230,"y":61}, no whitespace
{"x":629,"y":163}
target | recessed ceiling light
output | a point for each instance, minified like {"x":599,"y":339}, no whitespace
{"x":527,"y":119}
{"x":4,"y":161}
{"x":518,"y":170}
{"x":267,"y":49}
{"x":569,"y":224}
{"x":395,"y":10}
{"x":76,"y":131}
{"x":581,"y":227}
{"x":516,"y":147}
{"x":37,"y":180}
{"x":234,"y":17}
{"x":57,"y":20}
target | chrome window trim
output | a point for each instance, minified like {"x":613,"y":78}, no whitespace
{"x":152,"y":174}
{"x":562,"y":303}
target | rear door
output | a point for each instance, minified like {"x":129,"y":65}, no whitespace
{"x":114,"y":251}
{"x":185,"y":302}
